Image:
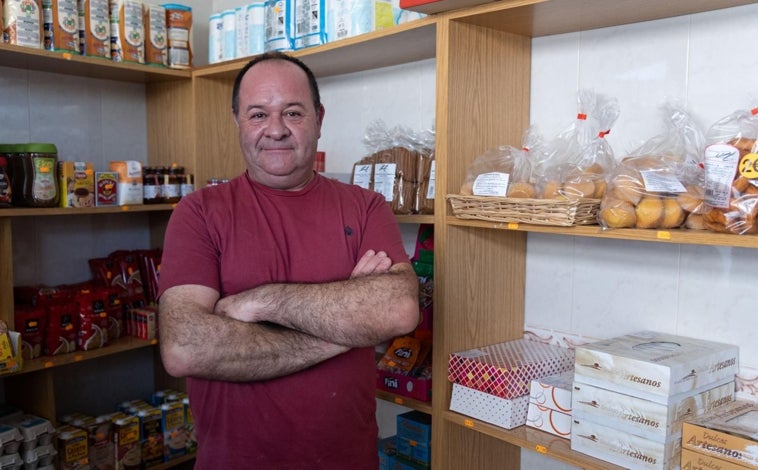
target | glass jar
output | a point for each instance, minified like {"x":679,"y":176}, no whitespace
{"x":35,"y":175}
{"x":172,"y":186}
{"x":151,"y":186}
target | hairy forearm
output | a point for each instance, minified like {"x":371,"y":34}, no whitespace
{"x":198,"y":344}
{"x":361,"y":311}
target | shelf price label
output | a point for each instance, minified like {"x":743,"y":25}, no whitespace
{"x":541,"y":449}
{"x":468,"y":423}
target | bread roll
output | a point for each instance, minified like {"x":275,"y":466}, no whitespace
{"x":673,"y":214}
{"x":618,"y":214}
{"x":521,"y":190}
{"x":649,"y":212}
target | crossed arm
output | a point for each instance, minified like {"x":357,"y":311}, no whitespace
{"x":277,"y":329}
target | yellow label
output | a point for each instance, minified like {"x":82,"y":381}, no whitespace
{"x":664,"y":235}
{"x":541,"y":449}
{"x":749,"y":166}
{"x":513,"y":225}
{"x":174,"y":418}
{"x":399,"y":401}
{"x":468,"y":423}
{"x":128,"y":434}
{"x":76,"y":449}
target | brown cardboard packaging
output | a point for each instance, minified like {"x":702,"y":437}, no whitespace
{"x":728,"y":433}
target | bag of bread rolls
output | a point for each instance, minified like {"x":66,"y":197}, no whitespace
{"x":503,"y":171}
{"x":731,"y":174}
{"x":659,"y":185}
{"x":578,"y":159}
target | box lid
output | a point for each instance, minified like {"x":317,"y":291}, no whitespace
{"x":654,"y":365}
{"x":507,"y":369}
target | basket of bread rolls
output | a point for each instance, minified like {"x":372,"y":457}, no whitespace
{"x":567,"y":174}
{"x":731,"y":174}
{"x":659,"y":185}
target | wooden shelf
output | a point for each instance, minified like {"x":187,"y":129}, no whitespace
{"x":415,"y":219}
{"x":542,"y":442}
{"x":547,"y":17}
{"x":678,"y":236}
{"x":418,"y":405}
{"x":48,"y":211}
{"x":48,"y":362}
{"x":73,"y":64}
{"x":408,"y":42}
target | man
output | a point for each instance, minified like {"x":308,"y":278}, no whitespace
{"x":274,"y":289}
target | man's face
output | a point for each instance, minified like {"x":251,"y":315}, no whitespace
{"x":278,"y":125}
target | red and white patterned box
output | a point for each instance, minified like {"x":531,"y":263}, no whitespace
{"x":506,"y":369}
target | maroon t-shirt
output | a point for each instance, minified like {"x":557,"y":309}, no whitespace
{"x":239,"y":235}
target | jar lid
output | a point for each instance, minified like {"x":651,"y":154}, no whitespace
{"x":39,"y":147}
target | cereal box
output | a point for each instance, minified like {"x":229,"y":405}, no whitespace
{"x":77,"y":184}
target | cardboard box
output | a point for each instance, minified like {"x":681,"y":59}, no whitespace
{"x":415,"y":426}
{"x":11,"y":359}
{"x":623,"y":448}
{"x":729,"y":433}
{"x":506,"y":369}
{"x":654,"y":421}
{"x":692,"y":460}
{"x":129,"y":190}
{"x":73,"y":447}
{"x":173,"y":429}
{"x":416,"y":452}
{"x":77,"y":184}
{"x":507,"y":413}
{"x":106,"y":188}
{"x":418,"y":388}
{"x":549,"y":420}
{"x":126,"y":436}
{"x":553,"y":391}
{"x":387,"y":453}
{"x":654,"y":365}
{"x":550,"y":404}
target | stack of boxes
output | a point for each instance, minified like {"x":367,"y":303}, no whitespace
{"x":492,"y":383}
{"x":723,"y":439}
{"x":632,"y":393}
{"x":550,"y":404}
{"x":410,"y":448}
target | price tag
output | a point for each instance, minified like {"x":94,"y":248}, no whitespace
{"x":468,"y":423}
{"x":399,"y":401}
{"x":541,"y":449}
{"x":664,"y":235}
{"x":749,"y":166}
{"x":513,"y":225}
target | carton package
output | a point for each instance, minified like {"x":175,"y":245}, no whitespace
{"x":507,"y":413}
{"x":156,"y":41}
{"x":151,"y":436}
{"x":23,"y":23}
{"x":106,"y":192}
{"x":387,"y":453}
{"x":77,"y":184}
{"x":309,"y":20}
{"x":623,"y":448}
{"x":73,"y":447}
{"x":728,"y":433}
{"x":127,"y":30}
{"x":348,"y":18}
{"x":129,"y":189}
{"x":126,"y":437}
{"x":179,"y":29}
{"x":43,"y":457}
{"x":692,"y":460}
{"x":506,"y":369}
{"x":653,"y":365}
{"x":550,"y":404}
{"x":61,"y":25}
{"x":11,"y":356}
{"x":94,"y":28}
{"x":652,"y":420}
{"x":416,"y":452}
{"x":173,"y":429}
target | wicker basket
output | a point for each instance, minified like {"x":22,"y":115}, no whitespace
{"x":558,"y":212}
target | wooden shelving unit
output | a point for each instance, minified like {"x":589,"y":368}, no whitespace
{"x":483,"y":58}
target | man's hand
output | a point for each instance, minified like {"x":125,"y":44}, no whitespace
{"x":371,"y":263}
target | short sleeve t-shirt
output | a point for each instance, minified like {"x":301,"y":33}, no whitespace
{"x":239,"y":235}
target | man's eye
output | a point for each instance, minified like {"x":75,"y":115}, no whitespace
{"x":256,"y":116}
{"x":293,"y":114}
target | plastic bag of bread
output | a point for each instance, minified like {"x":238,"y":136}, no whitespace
{"x":731,"y":174}
{"x":575,"y":163}
{"x":504,"y":171}
{"x":424,"y":203}
{"x":659,"y":185}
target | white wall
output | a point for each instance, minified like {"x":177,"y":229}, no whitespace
{"x":602,"y":288}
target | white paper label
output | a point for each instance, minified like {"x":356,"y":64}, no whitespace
{"x":720,"y":166}
{"x":384,"y":179}
{"x":655,"y":182}
{"x":432,"y":175}
{"x":491,"y":184}
{"x":362,"y":176}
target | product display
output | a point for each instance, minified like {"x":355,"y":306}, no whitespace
{"x":550,"y":404}
{"x":728,"y":433}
